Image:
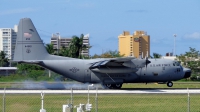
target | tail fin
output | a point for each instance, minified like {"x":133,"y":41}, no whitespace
{"x":29,"y":45}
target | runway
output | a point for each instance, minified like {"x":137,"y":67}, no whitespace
{"x":151,"y":91}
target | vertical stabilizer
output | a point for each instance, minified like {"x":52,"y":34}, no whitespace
{"x":29,"y":45}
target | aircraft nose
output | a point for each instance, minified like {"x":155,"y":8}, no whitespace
{"x":187,"y":72}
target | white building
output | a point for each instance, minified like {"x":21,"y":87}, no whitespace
{"x":86,"y":43}
{"x":8,"y":40}
{"x":59,"y":42}
{"x":170,"y":57}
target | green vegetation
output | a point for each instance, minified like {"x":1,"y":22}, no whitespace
{"x":3,"y":59}
{"x":189,"y":60}
{"x":50,"y":49}
{"x":34,"y":75}
{"x":156,"y":55}
{"x":177,"y":84}
{"x":109,"y":54}
{"x":106,"y":102}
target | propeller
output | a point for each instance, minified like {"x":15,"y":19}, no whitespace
{"x":147,"y":61}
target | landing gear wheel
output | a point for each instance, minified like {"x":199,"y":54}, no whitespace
{"x":109,"y":86}
{"x":170,"y":84}
{"x":118,"y":86}
{"x":113,"y":86}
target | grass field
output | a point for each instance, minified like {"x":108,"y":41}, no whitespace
{"x":155,"y":85}
{"x":106,"y":102}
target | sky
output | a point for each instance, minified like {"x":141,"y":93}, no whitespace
{"x":105,"y":20}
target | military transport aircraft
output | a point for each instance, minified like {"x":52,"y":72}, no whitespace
{"x":111,"y":73}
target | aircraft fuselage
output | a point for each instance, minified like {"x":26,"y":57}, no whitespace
{"x":159,"y":70}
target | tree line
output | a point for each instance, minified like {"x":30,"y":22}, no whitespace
{"x":191,"y":60}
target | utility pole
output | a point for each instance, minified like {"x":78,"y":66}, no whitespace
{"x":174,"y":44}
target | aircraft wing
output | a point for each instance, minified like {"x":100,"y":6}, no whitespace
{"x":111,"y":62}
{"x":119,"y":65}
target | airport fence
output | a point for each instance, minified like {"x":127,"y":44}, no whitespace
{"x":102,"y":102}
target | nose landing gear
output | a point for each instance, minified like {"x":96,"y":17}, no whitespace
{"x":169,"y":84}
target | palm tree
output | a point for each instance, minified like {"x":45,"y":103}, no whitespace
{"x":76,"y":46}
{"x":50,"y":49}
{"x":64,"y":52}
{"x":193,"y":53}
{"x":82,"y":46}
{"x":156,"y":55}
{"x":3,"y":59}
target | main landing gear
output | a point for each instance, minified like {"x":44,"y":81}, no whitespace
{"x":113,"y":86}
{"x":169,"y":84}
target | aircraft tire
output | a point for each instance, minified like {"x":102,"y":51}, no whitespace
{"x":113,"y":86}
{"x":110,"y":86}
{"x":170,"y":84}
{"x":117,"y":86}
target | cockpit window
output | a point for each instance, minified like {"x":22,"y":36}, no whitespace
{"x":181,"y":67}
{"x":176,"y":63}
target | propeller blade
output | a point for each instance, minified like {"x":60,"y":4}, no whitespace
{"x":147,"y":62}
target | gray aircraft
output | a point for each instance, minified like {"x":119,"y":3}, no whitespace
{"x":111,"y":73}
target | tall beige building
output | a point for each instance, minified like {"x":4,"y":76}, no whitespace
{"x":136,"y":45}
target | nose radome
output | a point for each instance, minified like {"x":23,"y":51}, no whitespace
{"x":187,"y":72}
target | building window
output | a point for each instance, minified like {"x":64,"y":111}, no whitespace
{"x":5,"y":32}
